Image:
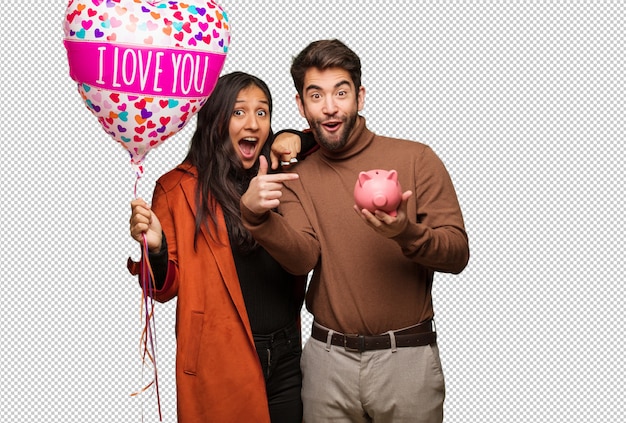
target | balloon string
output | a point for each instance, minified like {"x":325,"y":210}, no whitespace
{"x":147,"y":344}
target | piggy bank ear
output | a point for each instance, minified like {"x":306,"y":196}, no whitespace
{"x":392,"y":175}
{"x":364,"y":177}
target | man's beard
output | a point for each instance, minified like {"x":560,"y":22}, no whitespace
{"x":339,"y":139}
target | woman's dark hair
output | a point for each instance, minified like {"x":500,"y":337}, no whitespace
{"x":221,"y":177}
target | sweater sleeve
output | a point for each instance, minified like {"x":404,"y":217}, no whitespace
{"x":159,"y":262}
{"x":437,"y":239}
{"x":293,"y":244}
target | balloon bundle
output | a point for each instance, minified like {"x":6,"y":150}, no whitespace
{"x":144,"y":68}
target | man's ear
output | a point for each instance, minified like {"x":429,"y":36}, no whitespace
{"x":300,"y":105}
{"x":360,"y":98}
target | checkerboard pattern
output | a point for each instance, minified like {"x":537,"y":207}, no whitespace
{"x":523,"y":101}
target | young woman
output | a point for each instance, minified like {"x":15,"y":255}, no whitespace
{"x":237,"y":325}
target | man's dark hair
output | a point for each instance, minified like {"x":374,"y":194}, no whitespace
{"x":325,"y":54}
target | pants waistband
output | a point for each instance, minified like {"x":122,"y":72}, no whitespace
{"x":290,"y":331}
{"x":414,"y":336}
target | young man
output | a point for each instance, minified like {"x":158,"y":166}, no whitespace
{"x":372,"y":355}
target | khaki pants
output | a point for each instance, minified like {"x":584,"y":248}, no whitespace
{"x":374,"y":386}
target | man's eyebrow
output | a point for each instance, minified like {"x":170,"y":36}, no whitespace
{"x":337,"y":85}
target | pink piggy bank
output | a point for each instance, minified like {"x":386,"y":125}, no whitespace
{"x":378,"y":190}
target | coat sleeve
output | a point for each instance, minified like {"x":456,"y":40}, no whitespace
{"x":167,"y":287}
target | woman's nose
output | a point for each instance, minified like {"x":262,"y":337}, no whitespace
{"x":252,"y":122}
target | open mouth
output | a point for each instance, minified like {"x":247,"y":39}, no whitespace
{"x":332,"y":126}
{"x":247,"y":147}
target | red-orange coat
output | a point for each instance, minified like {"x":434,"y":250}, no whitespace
{"x":218,"y":374}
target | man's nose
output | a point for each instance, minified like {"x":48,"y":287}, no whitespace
{"x":330,"y":107}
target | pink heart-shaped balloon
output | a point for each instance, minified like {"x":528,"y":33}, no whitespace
{"x":157,"y":60}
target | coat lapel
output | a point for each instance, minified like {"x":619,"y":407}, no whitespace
{"x":221,"y":249}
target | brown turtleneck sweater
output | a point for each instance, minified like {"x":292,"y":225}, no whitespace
{"x":364,"y":283}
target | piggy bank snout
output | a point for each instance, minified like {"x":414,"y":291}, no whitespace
{"x":379,"y":200}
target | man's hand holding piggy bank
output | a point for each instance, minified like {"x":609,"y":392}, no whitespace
{"x":380,"y":202}
{"x":378,"y":190}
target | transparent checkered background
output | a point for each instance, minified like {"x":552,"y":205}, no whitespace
{"x":523,"y":101}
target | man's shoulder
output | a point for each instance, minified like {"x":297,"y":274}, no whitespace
{"x":399,"y":141}
{"x":398,"y":147}
{"x":306,"y":164}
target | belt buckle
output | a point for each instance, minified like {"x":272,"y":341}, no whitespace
{"x":360,"y":343}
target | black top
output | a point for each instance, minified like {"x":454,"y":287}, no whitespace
{"x":269,"y":292}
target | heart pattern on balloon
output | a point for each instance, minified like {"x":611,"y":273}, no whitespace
{"x":144,"y":68}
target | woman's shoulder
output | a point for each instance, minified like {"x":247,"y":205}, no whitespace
{"x":181,"y":174}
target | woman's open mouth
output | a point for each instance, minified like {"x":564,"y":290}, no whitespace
{"x":247,"y":147}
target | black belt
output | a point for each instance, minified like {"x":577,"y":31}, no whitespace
{"x":414,"y":336}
